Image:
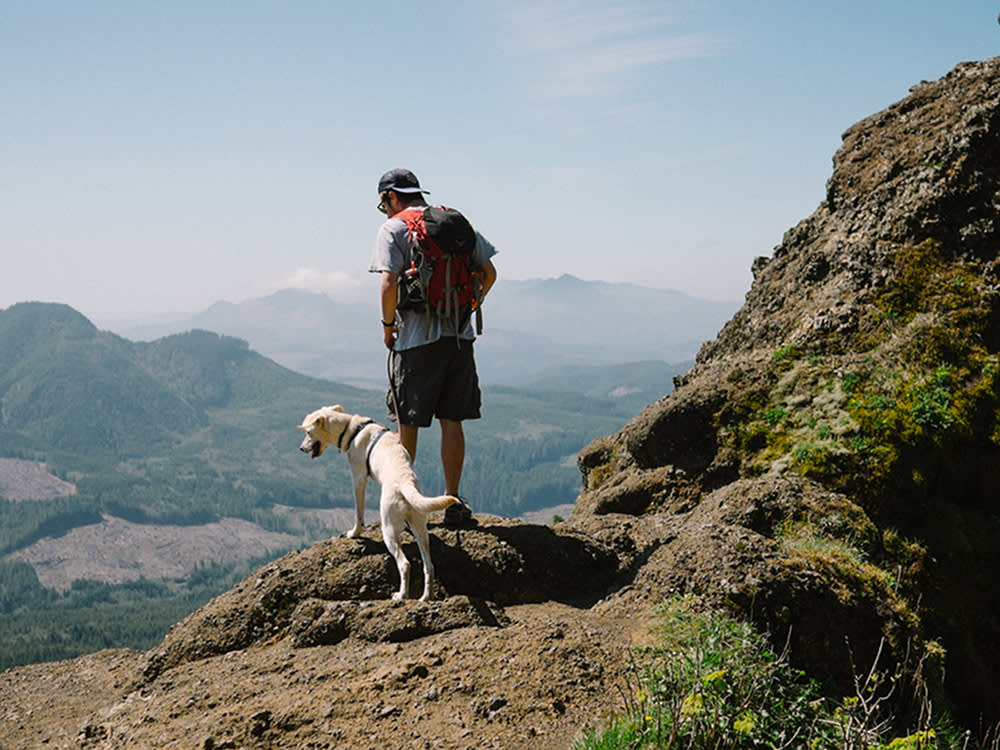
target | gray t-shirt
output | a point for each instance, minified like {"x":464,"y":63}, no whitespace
{"x":391,"y":252}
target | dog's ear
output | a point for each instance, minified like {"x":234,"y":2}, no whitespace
{"x":337,"y":407}
{"x":308,"y":421}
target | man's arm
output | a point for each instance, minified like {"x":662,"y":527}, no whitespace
{"x":488,"y":272}
{"x":388,"y":291}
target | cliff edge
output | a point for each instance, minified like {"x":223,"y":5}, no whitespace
{"x":864,"y":363}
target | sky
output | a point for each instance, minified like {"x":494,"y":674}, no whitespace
{"x":158,"y":157}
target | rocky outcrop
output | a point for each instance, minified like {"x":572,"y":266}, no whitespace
{"x":528,"y":647}
{"x":729,"y":550}
{"x":865,"y":359}
{"x":342,"y":588}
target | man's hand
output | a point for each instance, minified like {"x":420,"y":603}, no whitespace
{"x":389,"y":334}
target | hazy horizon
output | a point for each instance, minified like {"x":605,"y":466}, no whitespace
{"x":163,"y":158}
{"x":358,"y":295}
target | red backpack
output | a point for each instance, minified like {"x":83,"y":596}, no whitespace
{"x":438,"y":277}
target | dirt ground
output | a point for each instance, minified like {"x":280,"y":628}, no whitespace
{"x":539,"y":681}
{"x":529,"y":646}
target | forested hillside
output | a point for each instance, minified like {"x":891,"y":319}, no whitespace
{"x":197,"y":427}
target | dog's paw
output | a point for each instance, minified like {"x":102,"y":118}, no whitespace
{"x":397,"y":596}
{"x":353,"y":532}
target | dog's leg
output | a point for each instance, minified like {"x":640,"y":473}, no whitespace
{"x":360,"y":483}
{"x":392,"y":529}
{"x":418,"y":527}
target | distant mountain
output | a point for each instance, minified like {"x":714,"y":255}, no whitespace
{"x":67,"y":387}
{"x":73,"y":391}
{"x":196,"y":426}
{"x":305,"y":331}
{"x":632,"y":385}
{"x":597,"y":322}
{"x":530,"y":327}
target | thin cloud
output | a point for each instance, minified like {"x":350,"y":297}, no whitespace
{"x":588,"y":47}
{"x":320,"y":281}
{"x":572,"y":24}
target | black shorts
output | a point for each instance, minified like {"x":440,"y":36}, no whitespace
{"x":435,"y":380}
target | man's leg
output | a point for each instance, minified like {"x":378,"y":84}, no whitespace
{"x":452,"y":460}
{"x":452,"y":454}
{"x":408,"y":437}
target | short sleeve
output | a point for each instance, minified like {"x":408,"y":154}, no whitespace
{"x":389,"y":252}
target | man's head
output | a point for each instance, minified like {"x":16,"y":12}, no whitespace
{"x":397,"y":189}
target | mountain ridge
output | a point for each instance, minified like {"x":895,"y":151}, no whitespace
{"x":530,"y":326}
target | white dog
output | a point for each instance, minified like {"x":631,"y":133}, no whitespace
{"x":375,"y":451}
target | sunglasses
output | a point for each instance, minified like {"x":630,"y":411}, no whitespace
{"x":383,"y":206}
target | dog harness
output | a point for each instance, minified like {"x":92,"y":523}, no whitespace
{"x":357,"y":431}
{"x":371,"y":447}
{"x":361,"y":425}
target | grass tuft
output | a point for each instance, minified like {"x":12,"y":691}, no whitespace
{"x":712,"y":682}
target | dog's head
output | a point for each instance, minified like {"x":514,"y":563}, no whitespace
{"x":323,"y":427}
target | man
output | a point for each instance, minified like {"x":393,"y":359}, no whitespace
{"x":433,"y":372}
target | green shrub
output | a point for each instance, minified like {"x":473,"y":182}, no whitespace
{"x":775,"y":415}
{"x":712,"y":682}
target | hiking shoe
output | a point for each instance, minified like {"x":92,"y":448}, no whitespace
{"x":458,"y":514}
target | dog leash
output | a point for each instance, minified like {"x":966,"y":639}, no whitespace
{"x":392,"y":389}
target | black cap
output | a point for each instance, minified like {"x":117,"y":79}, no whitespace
{"x":401,"y":181}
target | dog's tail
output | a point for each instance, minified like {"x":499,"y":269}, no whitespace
{"x":426,"y":504}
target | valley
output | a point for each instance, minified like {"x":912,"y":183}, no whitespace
{"x":178,"y":471}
